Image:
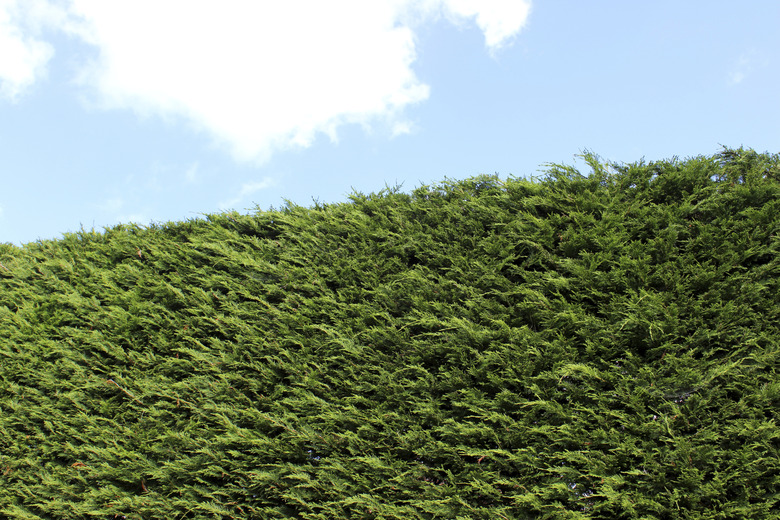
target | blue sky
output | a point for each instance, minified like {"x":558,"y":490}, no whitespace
{"x":157,"y":111}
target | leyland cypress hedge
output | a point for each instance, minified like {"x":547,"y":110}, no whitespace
{"x":600,"y":346}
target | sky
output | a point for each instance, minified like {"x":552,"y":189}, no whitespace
{"x":155,"y":111}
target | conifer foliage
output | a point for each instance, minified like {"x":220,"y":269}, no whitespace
{"x":600,"y":346}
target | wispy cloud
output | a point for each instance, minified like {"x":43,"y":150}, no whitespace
{"x":111,"y":205}
{"x":246,"y":190}
{"x":747,"y":63}
{"x":135,"y":218}
{"x":402,"y":128}
{"x":740,"y":70}
{"x":258,"y":77}
{"x":191,"y":174}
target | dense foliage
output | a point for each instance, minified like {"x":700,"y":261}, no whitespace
{"x":600,"y":346}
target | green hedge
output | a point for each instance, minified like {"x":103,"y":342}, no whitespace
{"x":600,"y":346}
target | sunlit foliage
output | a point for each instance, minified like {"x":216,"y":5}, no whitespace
{"x":580,"y":346}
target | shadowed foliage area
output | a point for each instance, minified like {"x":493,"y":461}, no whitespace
{"x":600,"y":346}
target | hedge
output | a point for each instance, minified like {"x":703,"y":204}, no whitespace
{"x":600,"y":346}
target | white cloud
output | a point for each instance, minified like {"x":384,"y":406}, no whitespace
{"x":499,"y":20}
{"x":402,"y":128}
{"x":23,"y":57}
{"x":111,"y":205}
{"x":741,"y":69}
{"x":191,"y":175}
{"x":134,"y":218}
{"x":258,"y":76}
{"x":24,"y":53}
{"x":246,"y":190}
{"x":749,"y":62}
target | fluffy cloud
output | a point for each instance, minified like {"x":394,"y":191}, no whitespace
{"x":499,"y":20}
{"x":23,"y":57}
{"x":256,"y":76}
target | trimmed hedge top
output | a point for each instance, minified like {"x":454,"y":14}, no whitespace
{"x":591,"y":347}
